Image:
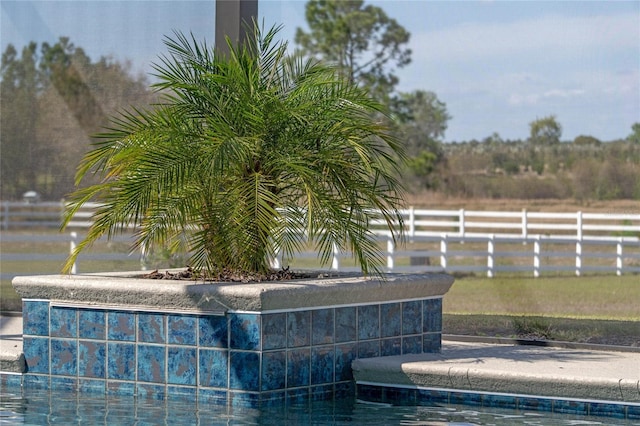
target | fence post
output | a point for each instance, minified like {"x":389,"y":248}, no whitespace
{"x":536,"y":257}
{"x":390,"y":251}
{"x":335,"y":262}
{"x":5,"y":216}
{"x":72,"y":247}
{"x":412,"y":223}
{"x":579,"y":225}
{"x":443,"y":251}
{"x":490,"y":260}
{"x":579,"y":257}
{"x":143,"y":257}
{"x":619,"y":257}
{"x":461,"y":228}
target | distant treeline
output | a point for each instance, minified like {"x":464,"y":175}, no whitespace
{"x":54,"y":97}
{"x":520,"y":169}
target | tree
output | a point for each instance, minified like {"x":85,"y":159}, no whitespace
{"x":634,"y":137}
{"x":422,"y":123}
{"x":362,"y":40}
{"x":545,"y":131}
{"x":584,"y":140}
{"x":19,"y":96}
{"x":52,"y":99}
{"x":242,"y":152}
{"x":423,"y":120}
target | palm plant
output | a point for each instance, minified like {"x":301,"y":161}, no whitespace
{"x":242,"y":150}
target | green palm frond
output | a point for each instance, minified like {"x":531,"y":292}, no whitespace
{"x":241,"y":154}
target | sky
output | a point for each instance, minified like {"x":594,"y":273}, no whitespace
{"x":497,"y":65}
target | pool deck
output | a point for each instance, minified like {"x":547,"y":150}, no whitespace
{"x":541,"y":371}
{"x":527,"y":370}
{"x":11,"y":356}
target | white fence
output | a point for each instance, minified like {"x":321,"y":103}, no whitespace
{"x":457,"y":240}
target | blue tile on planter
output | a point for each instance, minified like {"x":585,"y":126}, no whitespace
{"x":298,"y":397}
{"x":91,"y":324}
{"x":322,"y":327}
{"x":369,"y":349}
{"x":432,"y":316}
{"x":179,"y":393}
{"x":212,"y":396}
{"x":213,"y":368}
{"x":345,"y":324}
{"x":274,"y":331}
{"x":181,"y":365}
{"x":274,"y":401}
{"x":245,"y":400}
{"x":151,"y":328}
{"x":64,"y":357}
{"x":147,"y":391}
{"x":322,"y":392}
{"x":37,"y":381}
{"x":121,"y":361}
{"x":298,"y":367}
{"x":391,"y":347}
{"x":121,"y":326}
{"x":345,"y":354}
{"x":244,"y":331}
{"x":244,"y":370}
{"x":274,"y":370}
{"x":431,"y":342}
{"x":322,"y":364}
{"x":121,"y":389}
{"x":212,"y":331}
{"x":36,"y":354}
{"x":182,"y":329}
{"x":412,"y":317}
{"x":298,"y":329}
{"x":151,"y":364}
{"x":64,"y":383}
{"x":63,"y":322}
{"x":390,"y":320}
{"x":368,"y":322}
{"x":92,"y":386}
{"x":412,"y":345}
{"x":35,"y":318}
{"x":92,"y":359}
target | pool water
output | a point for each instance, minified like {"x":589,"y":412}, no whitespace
{"x":40,"y":407}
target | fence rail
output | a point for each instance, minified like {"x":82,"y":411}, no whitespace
{"x":484,"y":242}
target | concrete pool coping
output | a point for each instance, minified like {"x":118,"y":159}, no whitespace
{"x":540,"y":371}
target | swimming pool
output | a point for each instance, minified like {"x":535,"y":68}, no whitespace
{"x":38,"y":407}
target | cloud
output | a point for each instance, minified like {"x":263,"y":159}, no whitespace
{"x":569,"y":35}
{"x":517,"y":99}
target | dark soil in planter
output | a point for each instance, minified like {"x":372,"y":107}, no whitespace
{"x":190,"y":274}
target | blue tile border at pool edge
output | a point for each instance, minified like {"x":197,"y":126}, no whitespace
{"x":399,"y":395}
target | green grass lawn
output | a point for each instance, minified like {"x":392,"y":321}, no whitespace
{"x":593,"y":309}
{"x":589,"y":297}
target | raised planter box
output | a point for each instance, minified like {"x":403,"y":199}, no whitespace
{"x":244,"y":343}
